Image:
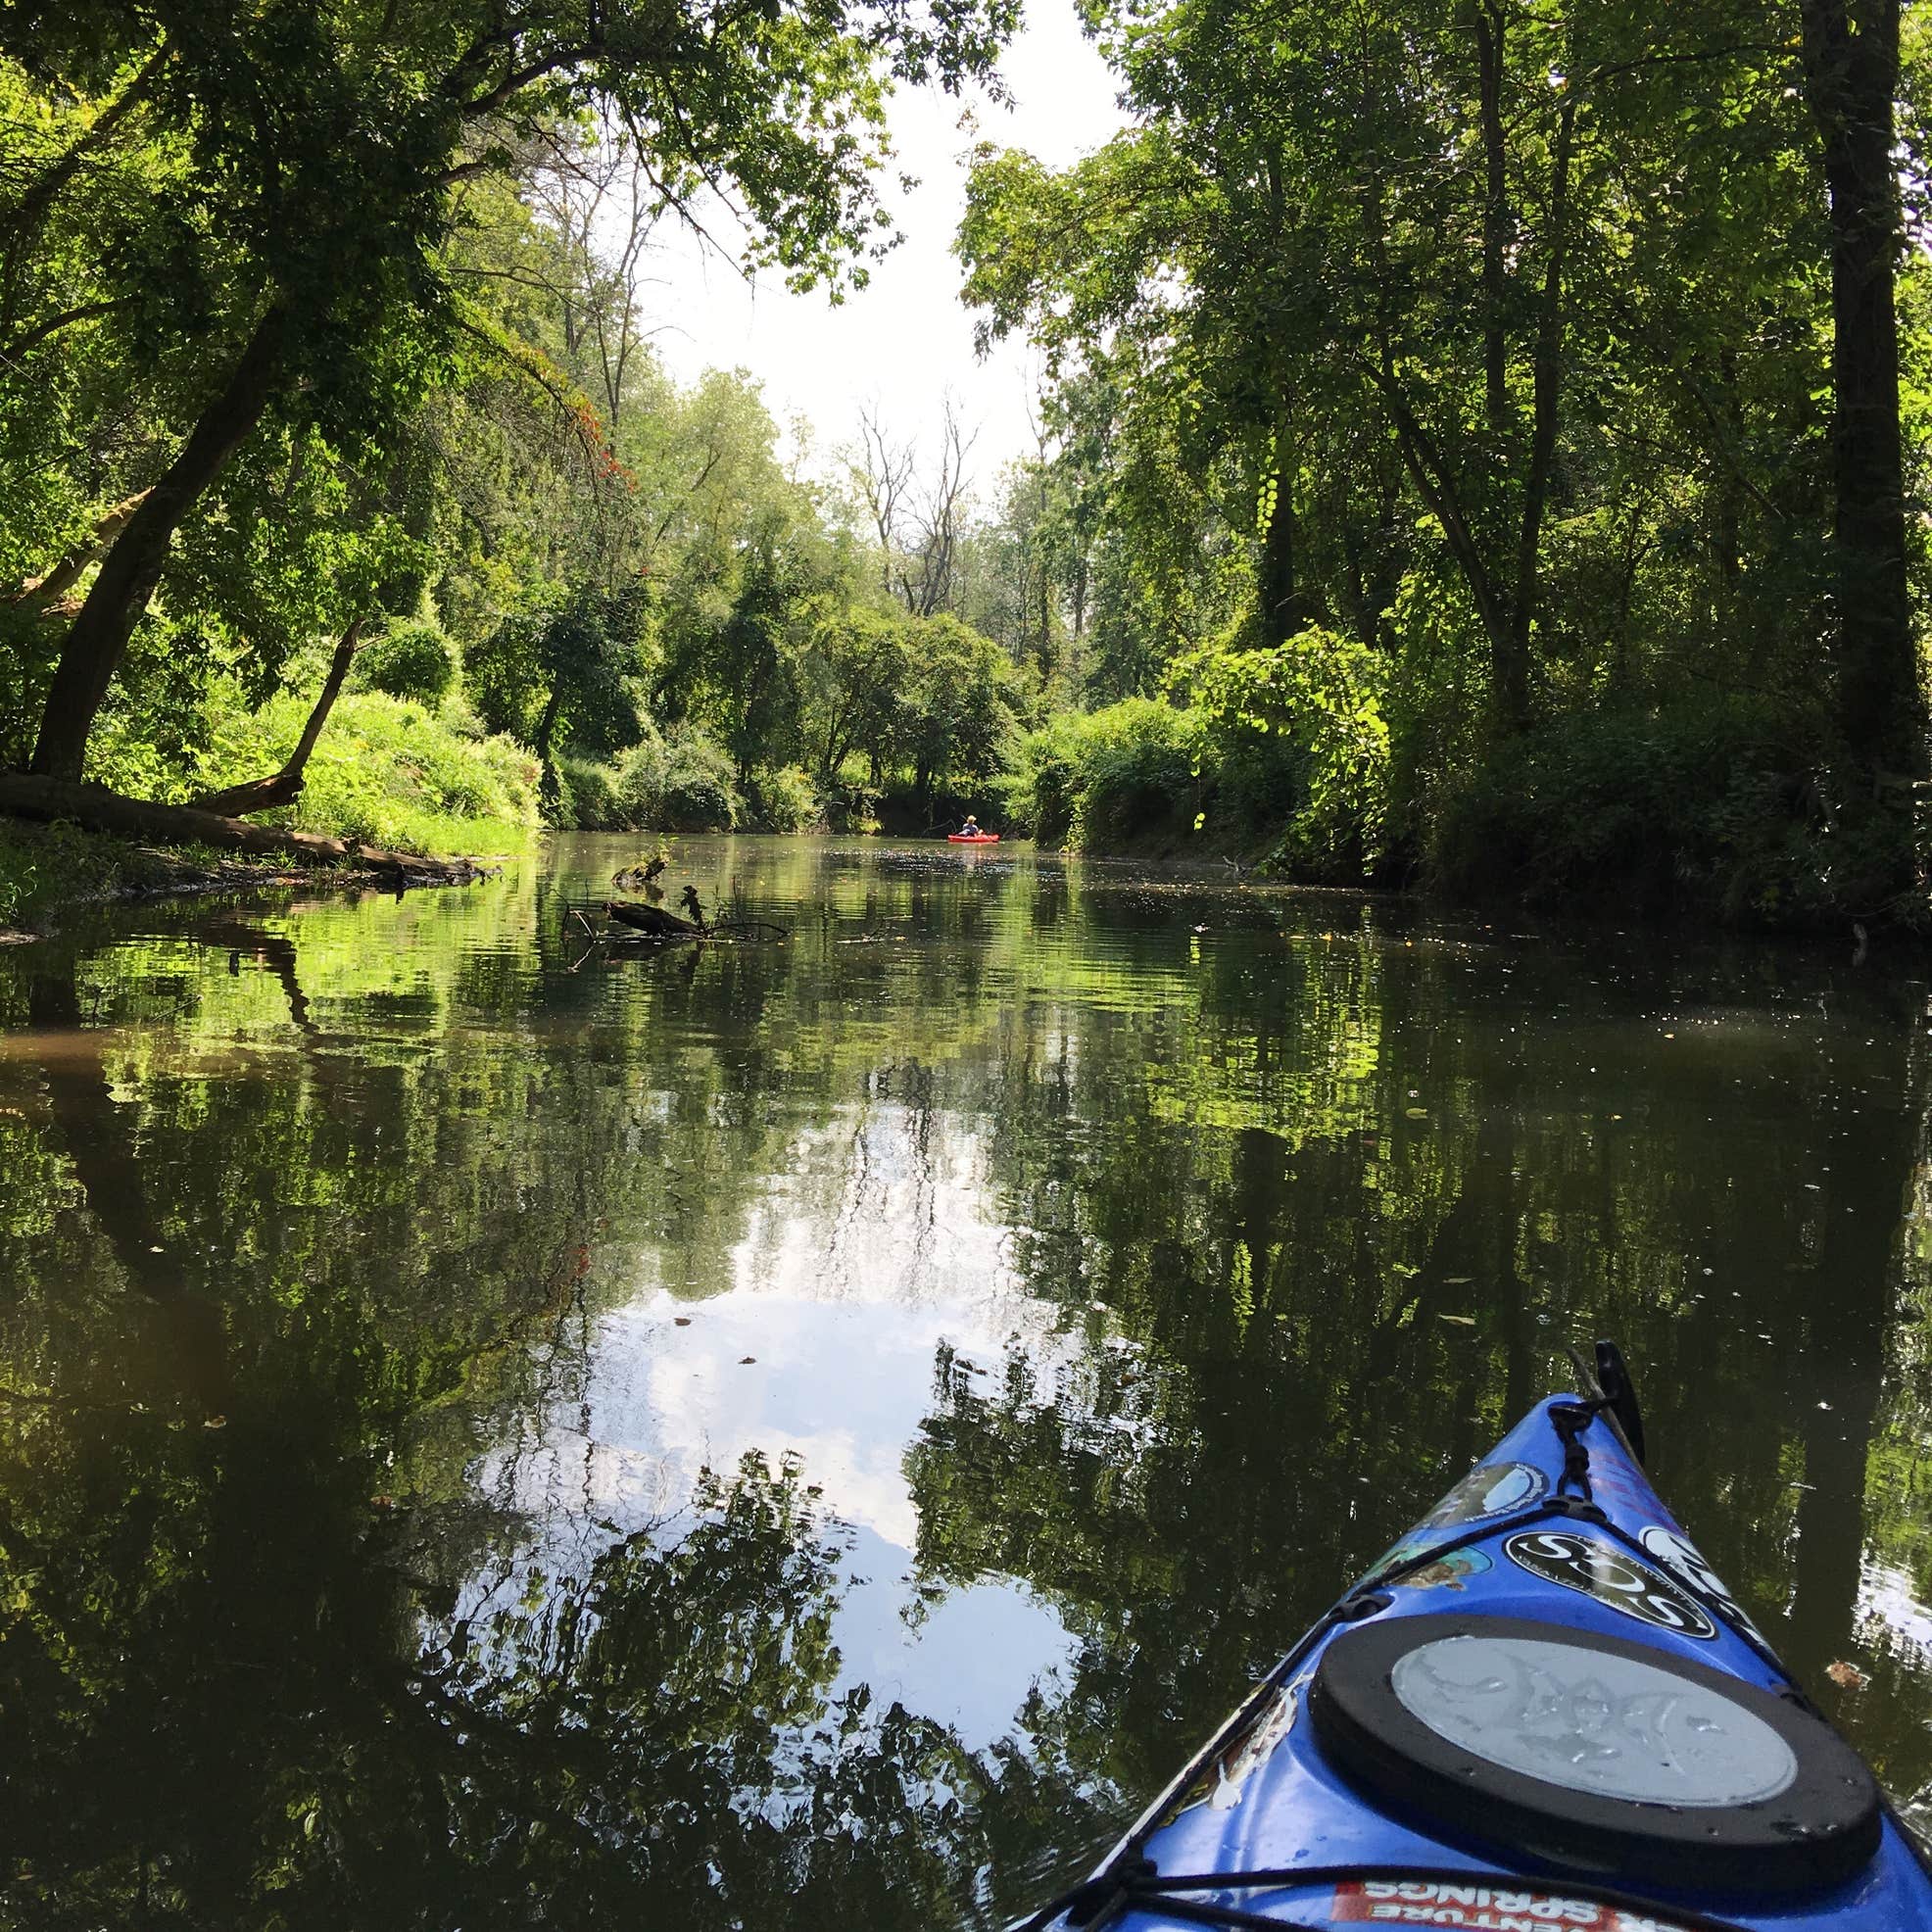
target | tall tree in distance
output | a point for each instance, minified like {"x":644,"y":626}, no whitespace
{"x":918,"y":518}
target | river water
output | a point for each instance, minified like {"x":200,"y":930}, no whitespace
{"x":812,"y":1432}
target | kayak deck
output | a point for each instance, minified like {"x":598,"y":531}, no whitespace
{"x":1504,"y":1726}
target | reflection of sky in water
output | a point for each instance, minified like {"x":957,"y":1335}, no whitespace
{"x":969,"y":1665}
{"x":1889,"y":1616}
{"x":870,"y":1250}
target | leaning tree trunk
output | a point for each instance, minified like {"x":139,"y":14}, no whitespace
{"x":98,"y":637}
{"x":261,"y":795}
{"x":1851,"y":59}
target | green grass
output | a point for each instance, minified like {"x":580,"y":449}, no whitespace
{"x":386,"y":771}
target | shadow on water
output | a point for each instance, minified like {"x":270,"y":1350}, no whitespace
{"x":813,"y":1431}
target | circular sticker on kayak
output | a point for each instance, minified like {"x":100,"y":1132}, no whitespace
{"x":1685,"y":1561}
{"x":1611,"y":1577}
{"x":1448,"y":1573}
{"x":1489,"y":1489}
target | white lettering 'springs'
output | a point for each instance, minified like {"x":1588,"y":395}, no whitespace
{"x":1477,"y":1908}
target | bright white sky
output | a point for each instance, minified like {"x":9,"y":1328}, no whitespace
{"x":906,"y":339}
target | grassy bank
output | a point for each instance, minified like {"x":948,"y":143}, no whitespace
{"x":388,"y":772}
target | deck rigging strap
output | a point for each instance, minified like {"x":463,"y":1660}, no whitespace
{"x":1569,"y":1420}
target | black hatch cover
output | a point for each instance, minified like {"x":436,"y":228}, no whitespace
{"x":1593,"y":1753}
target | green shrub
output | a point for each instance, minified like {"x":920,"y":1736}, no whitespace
{"x":1102,"y":778}
{"x":409,"y":660}
{"x":680,"y":780}
{"x":587,"y":797}
{"x":1709,"y":804}
{"x":1297,"y":738}
{"x":784,"y":801}
{"x":1286,"y":747}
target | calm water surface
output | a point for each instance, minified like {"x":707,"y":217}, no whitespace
{"x":812,"y":1433}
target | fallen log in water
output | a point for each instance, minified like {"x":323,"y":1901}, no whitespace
{"x":651,"y":920}
{"x":26,"y":795}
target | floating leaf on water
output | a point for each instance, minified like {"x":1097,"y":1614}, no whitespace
{"x":1847,"y":1676}
{"x":680,"y":1321}
{"x":214,"y":1421}
{"x":1417,"y":1113}
{"x":1461,"y":1321}
{"x":1457,"y":1280}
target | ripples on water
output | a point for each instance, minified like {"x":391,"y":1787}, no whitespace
{"x":812,"y":1432}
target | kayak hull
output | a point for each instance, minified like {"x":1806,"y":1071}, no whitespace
{"x":1305,"y":1810}
{"x":969,"y":838}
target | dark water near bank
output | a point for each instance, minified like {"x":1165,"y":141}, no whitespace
{"x":811,"y":1433}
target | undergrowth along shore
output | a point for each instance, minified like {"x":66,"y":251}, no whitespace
{"x":1719,"y":808}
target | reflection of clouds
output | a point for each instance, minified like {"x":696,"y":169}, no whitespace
{"x":845,"y":1390}
{"x":1889,"y":1616}
{"x":843,"y":1387}
{"x":969,"y":1662}
{"x":885,"y":1203}
{"x":872,"y":1245}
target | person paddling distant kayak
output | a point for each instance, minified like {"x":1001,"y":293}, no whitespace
{"x":971,"y":829}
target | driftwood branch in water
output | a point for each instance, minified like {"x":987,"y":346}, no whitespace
{"x":652,"y":922}
{"x":29,"y":795}
{"x":261,"y":795}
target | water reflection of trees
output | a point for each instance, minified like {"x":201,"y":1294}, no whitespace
{"x":269,"y":1654}
{"x":1323,"y":1236}
{"x":241,"y":1710}
{"x":274,"y":1654}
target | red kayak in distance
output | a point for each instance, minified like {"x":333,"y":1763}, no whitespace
{"x":973,"y":838}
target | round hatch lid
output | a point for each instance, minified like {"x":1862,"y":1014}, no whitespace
{"x":1595,"y":1753}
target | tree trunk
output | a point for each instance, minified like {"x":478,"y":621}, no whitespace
{"x":651,"y":920}
{"x":1512,"y":669}
{"x":261,"y":795}
{"x":1851,"y":59}
{"x":98,"y":637}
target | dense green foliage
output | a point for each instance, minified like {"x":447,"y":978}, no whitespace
{"x":409,"y":660}
{"x":321,"y":329}
{"x":1488,"y":431}
{"x":1492,"y":355}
